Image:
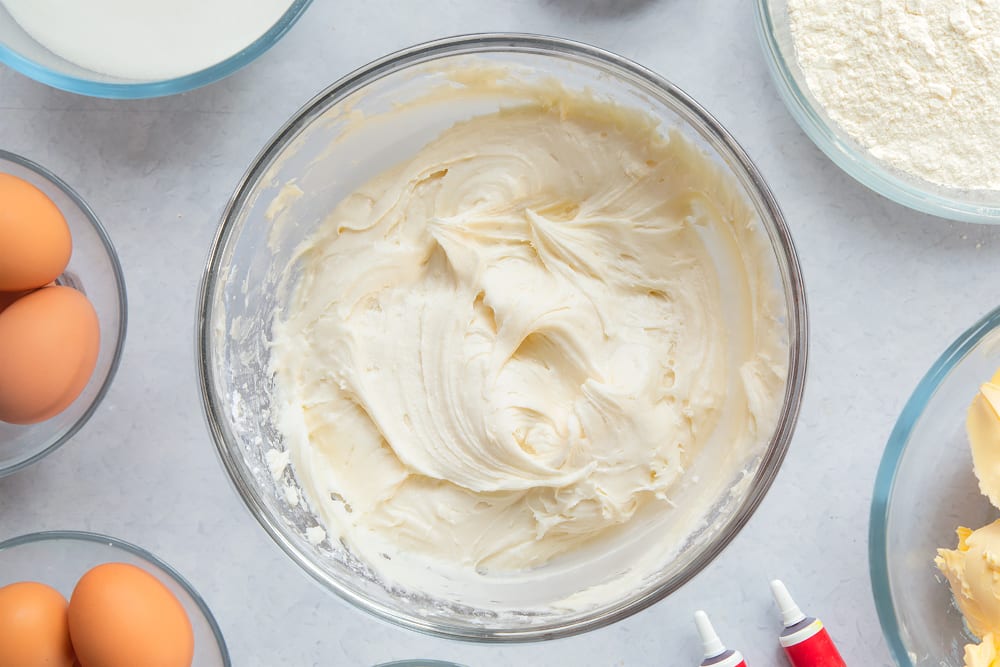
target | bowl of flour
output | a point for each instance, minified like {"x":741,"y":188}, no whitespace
{"x":903,"y":95}
{"x":127,"y":50}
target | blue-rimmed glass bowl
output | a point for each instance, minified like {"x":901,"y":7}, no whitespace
{"x":93,"y":269}
{"x":60,"y":558}
{"x":925,"y":488}
{"x":779,"y":51}
{"x":21,"y":52}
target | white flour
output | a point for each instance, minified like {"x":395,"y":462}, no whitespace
{"x":145,"y":39}
{"x":914,"y":81}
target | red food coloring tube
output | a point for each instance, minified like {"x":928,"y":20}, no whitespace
{"x":805,"y":640}
{"x":716,"y":654}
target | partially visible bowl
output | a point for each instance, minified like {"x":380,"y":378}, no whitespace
{"x":926,"y":488}
{"x":60,"y":558}
{"x":779,"y":51}
{"x":21,"y":52}
{"x":94,"y":270}
{"x":243,"y":288}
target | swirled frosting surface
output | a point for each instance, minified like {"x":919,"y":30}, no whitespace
{"x":505,"y":349}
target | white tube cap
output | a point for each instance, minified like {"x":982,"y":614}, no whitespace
{"x":790,"y":612}
{"x":710,"y":641}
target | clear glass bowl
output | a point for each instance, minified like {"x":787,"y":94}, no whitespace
{"x":242,"y":289}
{"x":94,"y":270}
{"x":925,"y":488}
{"x":779,"y":51}
{"x":419,"y":663}
{"x":60,"y":558}
{"x":20,"y":51}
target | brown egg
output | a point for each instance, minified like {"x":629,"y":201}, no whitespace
{"x":33,"y":627}
{"x":35,"y":242}
{"x":49,"y":342}
{"x":122,"y":616}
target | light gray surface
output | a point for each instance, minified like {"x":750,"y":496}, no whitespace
{"x":889,"y":289}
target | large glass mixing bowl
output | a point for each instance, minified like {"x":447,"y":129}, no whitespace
{"x":242,"y":290}
{"x":926,"y":488}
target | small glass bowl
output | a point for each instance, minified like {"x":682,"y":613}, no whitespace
{"x":243,"y":288}
{"x":21,"y":52}
{"x":419,"y":663}
{"x":94,"y":270}
{"x":925,"y":488}
{"x":906,"y":189}
{"x":60,"y":558}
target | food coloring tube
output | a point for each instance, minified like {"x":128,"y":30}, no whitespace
{"x":716,"y":655}
{"x":805,"y":641}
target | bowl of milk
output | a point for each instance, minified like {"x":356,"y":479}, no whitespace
{"x":126,"y":50}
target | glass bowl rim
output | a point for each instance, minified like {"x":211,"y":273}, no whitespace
{"x":692,"y":112}
{"x":859,"y":165}
{"x":99,"y":538}
{"x":163,"y":87}
{"x":119,"y":278}
{"x":885,"y":479}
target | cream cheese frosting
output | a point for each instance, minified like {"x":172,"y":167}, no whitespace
{"x":510,"y":348}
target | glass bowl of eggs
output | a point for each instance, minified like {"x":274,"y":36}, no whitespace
{"x":62,"y":312}
{"x":66,"y":594}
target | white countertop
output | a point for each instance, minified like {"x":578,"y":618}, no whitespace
{"x":888,"y":290}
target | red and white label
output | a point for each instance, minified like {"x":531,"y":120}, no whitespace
{"x":816,"y":649}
